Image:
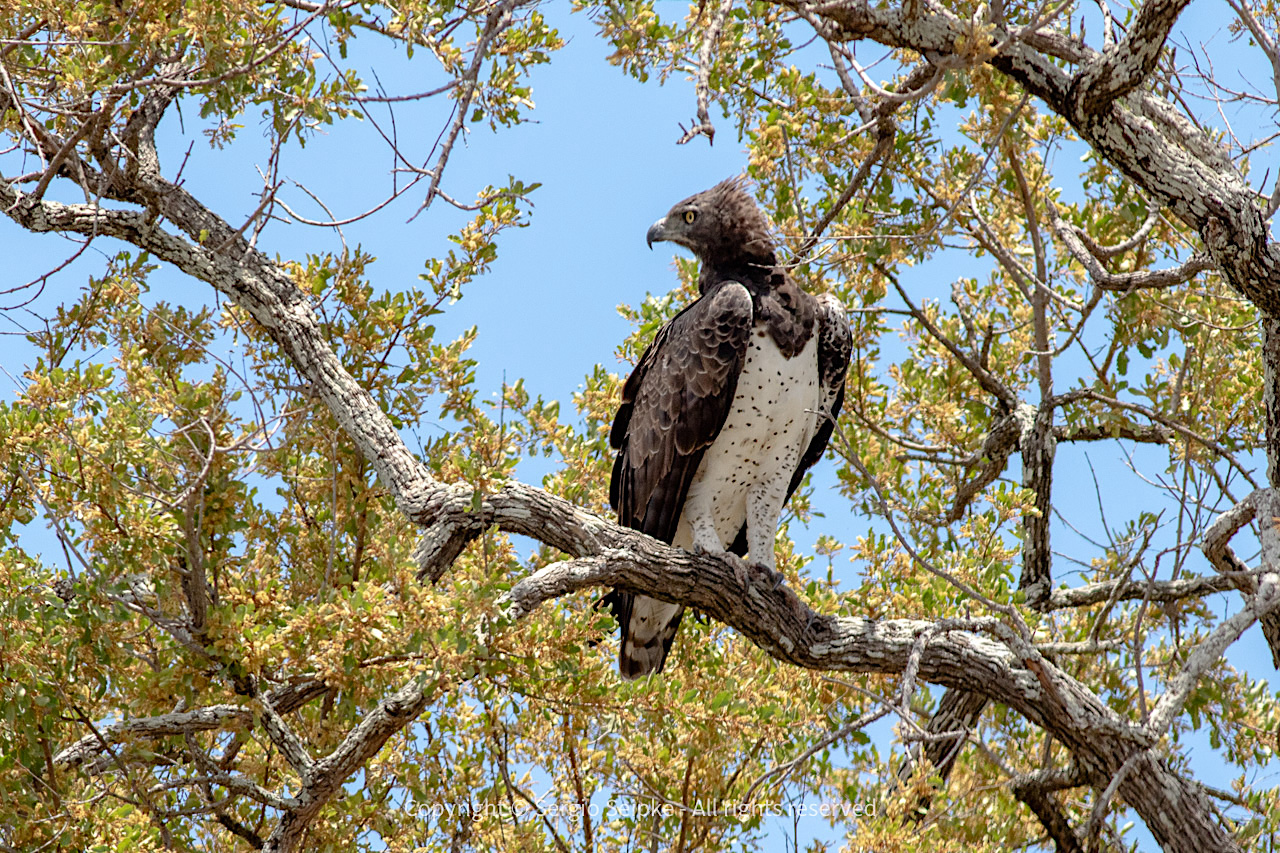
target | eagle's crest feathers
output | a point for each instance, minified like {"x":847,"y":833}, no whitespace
{"x":724,"y":227}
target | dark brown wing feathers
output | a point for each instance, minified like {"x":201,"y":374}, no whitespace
{"x":673,"y":406}
{"x":835,"y":345}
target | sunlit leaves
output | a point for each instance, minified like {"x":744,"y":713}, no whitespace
{"x":177,"y":456}
{"x":976,"y":178}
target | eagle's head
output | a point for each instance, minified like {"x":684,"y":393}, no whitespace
{"x":722,"y":226}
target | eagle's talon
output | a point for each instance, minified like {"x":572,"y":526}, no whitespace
{"x":775,"y":578}
{"x":741,"y":569}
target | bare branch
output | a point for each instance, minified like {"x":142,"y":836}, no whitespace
{"x":1129,"y":281}
{"x":1266,"y":600}
{"x":1106,"y":253}
{"x":1122,"y":67}
{"x":1094,"y":827}
{"x":1217,"y":548}
{"x":286,"y":699}
{"x":702,"y":125}
{"x":1157,"y":591}
{"x":200,"y":719}
{"x":1265,"y":39}
{"x":497,"y":20}
{"x":294,"y":751}
{"x":922,"y":76}
{"x":1146,"y":434}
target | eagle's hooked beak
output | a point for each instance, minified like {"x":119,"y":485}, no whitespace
{"x":656,"y":233}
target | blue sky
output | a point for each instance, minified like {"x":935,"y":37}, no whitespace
{"x":604,"y":148}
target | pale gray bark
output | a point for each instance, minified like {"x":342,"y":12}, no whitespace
{"x":1038,"y":795}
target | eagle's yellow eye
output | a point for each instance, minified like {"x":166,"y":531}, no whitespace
{"x":689,"y":216}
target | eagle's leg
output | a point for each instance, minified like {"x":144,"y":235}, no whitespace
{"x":764,"y":506}
{"x":703,"y":538}
{"x":702,"y":530}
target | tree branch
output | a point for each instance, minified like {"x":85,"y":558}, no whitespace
{"x":1129,"y":281}
{"x":1217,"y":549}
{"x":1122,"y":67}
{"x":1003,"y":671}
{"x":1036,"y":792}
{"x":1158,"y":591}
{"x":702,"y":125}
{"x":1265,"y":600}
{"x":285,"y":700}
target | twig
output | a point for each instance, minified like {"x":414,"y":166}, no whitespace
{"x":710,"y":38}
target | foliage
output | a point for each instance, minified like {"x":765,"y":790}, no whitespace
{"x":178,"y":453}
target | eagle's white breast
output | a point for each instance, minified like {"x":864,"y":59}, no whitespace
{"x":748,"y":467}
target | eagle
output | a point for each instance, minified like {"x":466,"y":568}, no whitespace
{"x":725,"y":411}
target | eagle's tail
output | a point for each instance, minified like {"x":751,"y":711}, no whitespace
{"x":646,"y":628}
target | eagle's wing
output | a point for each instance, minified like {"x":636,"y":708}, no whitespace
{"x":835,"y":346}
{"x":673,"y":407}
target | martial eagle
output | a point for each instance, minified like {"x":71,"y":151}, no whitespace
{"x":728,"y":407}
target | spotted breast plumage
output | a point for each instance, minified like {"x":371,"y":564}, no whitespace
{"x":728,"y":407}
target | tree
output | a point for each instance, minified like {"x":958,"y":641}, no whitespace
{"x":275,"y":624}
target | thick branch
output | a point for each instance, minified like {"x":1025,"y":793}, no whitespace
{"x":1146,"y":434}
{"x":1036,"y":791}
{"x":285,"y":700}
{"x":1047,"y":810}
{"x":1122,"y":67}
{"x":1038,"y":449}
{"x":289,"y":744}
{"x":777,"y":621}
{"x":1270,"y":356}
{"x":1155,"y":591}
{"x":164,"y":725}
{"x":362,"y":743}
{"x":1143,"y":136}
